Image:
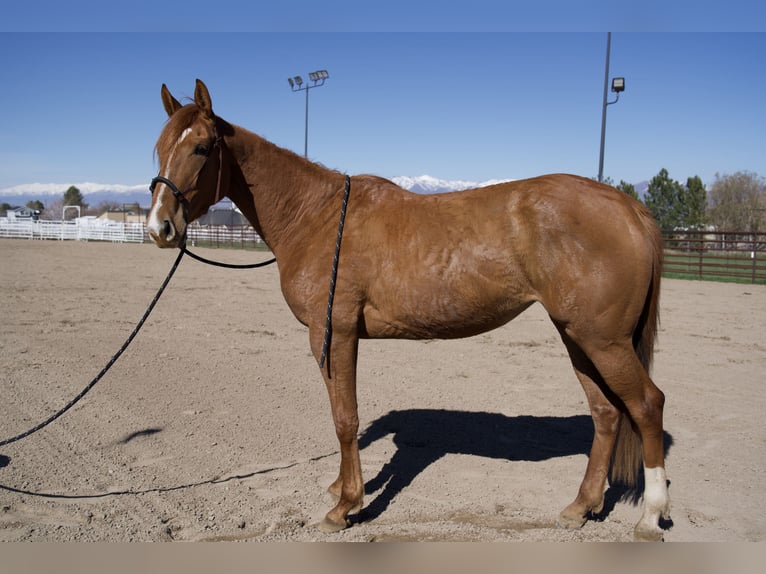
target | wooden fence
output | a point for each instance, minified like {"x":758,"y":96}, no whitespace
{"x":731,"y":256}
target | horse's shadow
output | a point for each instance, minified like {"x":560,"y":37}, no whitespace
{"x":423,"y":436}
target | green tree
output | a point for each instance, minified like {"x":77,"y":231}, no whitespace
{"x":628,"y":188}
{"x":4,"y":207}
{"x":663,"y":198}
{"x":738,"y":202}
{"x":692,"y":204}
{"x":35,"y":204}
{"x":623,"y":186}
{"x":72,"y":196}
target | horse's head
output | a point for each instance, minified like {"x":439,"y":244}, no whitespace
{"x":190,"y":151}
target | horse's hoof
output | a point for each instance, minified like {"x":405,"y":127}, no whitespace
{"x":647,"y":534}
{"x":329,"y":525}
{"x":570,"y":521}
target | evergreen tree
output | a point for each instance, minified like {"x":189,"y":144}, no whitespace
{"x":72,"y":196}
{"x":628,"y":188}
{"x":663,"y":200}
{"x":692,"y":204}
{"x":35,"y":204}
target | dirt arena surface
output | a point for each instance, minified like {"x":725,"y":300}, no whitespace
{"x":215,"y":425}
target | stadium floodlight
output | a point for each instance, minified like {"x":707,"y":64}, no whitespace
{"x":618,"y":85}
{"x":317,"y":78}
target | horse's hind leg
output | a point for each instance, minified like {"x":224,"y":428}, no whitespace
{"x":606,"y":416}
{"x":626,"y":377}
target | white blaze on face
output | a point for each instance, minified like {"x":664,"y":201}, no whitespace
{"x":153,"y":222}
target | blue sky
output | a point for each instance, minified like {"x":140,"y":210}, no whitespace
{"x":85,"y":106}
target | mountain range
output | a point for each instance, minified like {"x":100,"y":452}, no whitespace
{"x":96,"y":193}
{"x":428,"y":184}
{"x":93,"y":193}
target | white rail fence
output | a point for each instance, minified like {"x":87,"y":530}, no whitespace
{"x":83,"y":229}
{"x":92,"y":229}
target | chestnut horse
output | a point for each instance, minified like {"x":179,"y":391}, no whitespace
{"x":442,"y":266}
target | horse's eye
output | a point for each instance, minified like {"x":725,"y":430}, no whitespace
{"x":200,"y":150}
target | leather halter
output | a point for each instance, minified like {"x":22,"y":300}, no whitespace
{"x":181,"y":195}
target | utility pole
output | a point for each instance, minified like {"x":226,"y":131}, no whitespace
{"x":618,"y":85}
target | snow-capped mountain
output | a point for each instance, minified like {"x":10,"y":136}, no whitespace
{"x":96,"y":193}
{"x":46,"y":189}
{"x":641,"y":188}
{"x":93,"y":193}
{"x":428,"y":184}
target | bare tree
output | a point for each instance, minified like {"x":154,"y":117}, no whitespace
{"x":738,"y":202}
{"x":53,"y":209}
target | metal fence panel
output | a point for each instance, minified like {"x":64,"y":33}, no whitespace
{"x":716,"y":256}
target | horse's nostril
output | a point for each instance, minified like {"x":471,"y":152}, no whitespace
{"x":167,"y":229}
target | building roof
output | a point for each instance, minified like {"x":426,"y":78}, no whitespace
{"x":227,"y":217}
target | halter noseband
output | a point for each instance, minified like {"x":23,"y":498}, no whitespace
{"x":180,"y":195}
{"x":159,"y":179}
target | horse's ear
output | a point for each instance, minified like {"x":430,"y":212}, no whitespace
{"x":202,"y":98}
{"x":171,"y":104}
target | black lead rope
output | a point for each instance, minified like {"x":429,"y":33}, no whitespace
{"x":118,"y":354}
{"x":226,"y":265}
{"x":333,"y":277}
{"x":111,"y":362}
{"x":181,"y":252}
{"x":180,"y":196}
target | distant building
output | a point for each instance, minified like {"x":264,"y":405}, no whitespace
{"x":223,"y":217}
{"x":125,"y":216}
{"x":23,"y":213}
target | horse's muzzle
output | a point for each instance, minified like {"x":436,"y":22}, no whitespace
{"x":165,"y":231}
{"x":166,"y":234}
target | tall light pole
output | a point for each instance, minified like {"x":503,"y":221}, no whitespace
{"x":618,"y":85}
{"x":296,"y":85}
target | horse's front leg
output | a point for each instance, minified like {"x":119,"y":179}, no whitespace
{"x":339,"y":374}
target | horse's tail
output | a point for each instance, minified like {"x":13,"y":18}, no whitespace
{"x":627,"y":458}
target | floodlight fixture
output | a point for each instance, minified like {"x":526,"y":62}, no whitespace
{"x":317,"y":78}
{"x":618,"y":85}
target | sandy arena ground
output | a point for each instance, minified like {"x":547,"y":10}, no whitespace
{"x":215,"y":425}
